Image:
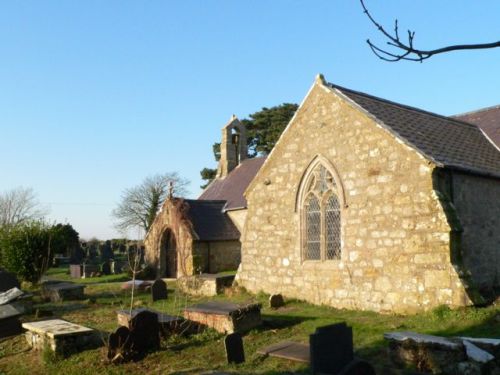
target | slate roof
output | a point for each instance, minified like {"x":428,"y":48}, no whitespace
{"x":232,"y":187}
{"x":210,"y":222}
{"x":447,"y":141}
{"x":488,"y":119}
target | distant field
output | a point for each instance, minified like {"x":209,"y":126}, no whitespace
{"x":205,"y":352}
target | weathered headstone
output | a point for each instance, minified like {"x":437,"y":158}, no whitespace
{"x":8,"y":281}
{"x":331,"y":348}
{"x":234,"y":348}
{"x":75,"y":271}
{"x":159,"y":290}
{"x":119,"y":345}
{"x":9,"y":321}
{"x":276,"y":300}
{"x":293,"y":351}
{"x":106,"y":268}
{"x":89,"y":270}
{"x":145,"y":332}
{"x":10,"y":295}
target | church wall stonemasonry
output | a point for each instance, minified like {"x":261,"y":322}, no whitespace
{"x":395,"y":233}
{"x":477,"y":204}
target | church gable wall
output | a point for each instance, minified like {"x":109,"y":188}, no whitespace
{"x":395,"y":235}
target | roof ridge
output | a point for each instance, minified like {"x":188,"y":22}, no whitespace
{"x":403,"y":106}
{"x":476,"y":111}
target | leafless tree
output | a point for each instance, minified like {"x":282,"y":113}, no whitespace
{"x":19,"y":205}
{"x":406,"y":50}
{"x":140,"y":204}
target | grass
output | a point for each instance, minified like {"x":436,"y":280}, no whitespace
{"x":205,"y":351}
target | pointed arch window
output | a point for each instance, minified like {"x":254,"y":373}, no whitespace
{"x":321,"y":215}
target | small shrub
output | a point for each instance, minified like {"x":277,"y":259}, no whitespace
{"x":26,"y":250}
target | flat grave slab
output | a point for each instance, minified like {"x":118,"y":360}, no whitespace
{"x":60,"y":335}
{"x":293,"y":351}
{"x":10,"y":295}
{"x":205,"y":284}
{"x":169,"y":323}
{"x":62,"y":291}
{"x":225,"y":317}
{"x":137,"y":284}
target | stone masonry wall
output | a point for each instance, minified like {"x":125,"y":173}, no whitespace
{"x":396,"y":239}
{"x":167,"y":219}
{"x":224,"y":255}
{"x":238,"y":217}
{"x":477,"y":202}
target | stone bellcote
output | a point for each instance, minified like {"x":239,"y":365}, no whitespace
{"x":233,"y":147}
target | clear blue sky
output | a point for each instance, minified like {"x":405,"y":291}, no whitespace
{"x":96,"y":95}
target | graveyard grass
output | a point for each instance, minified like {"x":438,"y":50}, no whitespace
{"x":205,"y":351}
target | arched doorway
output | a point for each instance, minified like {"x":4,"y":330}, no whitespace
{"x":168,"y":255}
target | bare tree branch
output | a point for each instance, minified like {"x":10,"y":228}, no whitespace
{"x":20,"y":205}
{"x":406,"y":50}
{"x":140,"y":204}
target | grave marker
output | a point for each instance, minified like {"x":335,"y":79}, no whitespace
{"x":331,"y":348}
{"x":159,"y":290}
{"x":234,"y":348}
{"x":276,"y":300}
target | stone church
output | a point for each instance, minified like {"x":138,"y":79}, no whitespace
{"x":369,"y":204}
{"x":191,"y":236}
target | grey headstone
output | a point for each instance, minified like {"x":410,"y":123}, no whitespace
{"x":145,"y":331}
{"x":159,"y":290}
{"x":75,"y":270}
{"x":10,"y":295}
{"x":8,"y":281}
{"x":331,"y":348}
{"x":276,"y":300}
{"x":234,"y":348}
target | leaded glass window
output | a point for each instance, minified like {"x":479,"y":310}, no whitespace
{"x":321,"y":216}
{"x":313,"y":225}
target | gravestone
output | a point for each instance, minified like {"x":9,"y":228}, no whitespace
{"x":106,"y":251}
{"x":276,"y":300}
{"x":106,"y":268}
{"x":159,"y":290}
{"x":89,"y":270}
{"x":10,"y":295}
{"x":119,"y":345}
{"x":9,"y":321}
{"x":145,"y":332}
{"x":331,"y":348}
{"x":75,"y":271}
{"x":234,"y":348}
{"x":8,"y":281}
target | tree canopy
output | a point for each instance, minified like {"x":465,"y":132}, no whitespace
{"x":263,"y":131}
{"x":139,"y":205}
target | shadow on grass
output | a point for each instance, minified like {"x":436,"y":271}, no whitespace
{"x":281,"y":321}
